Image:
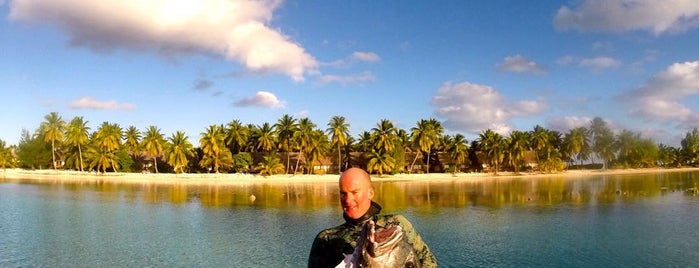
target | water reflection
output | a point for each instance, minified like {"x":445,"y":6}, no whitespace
{"x":419,"y":196}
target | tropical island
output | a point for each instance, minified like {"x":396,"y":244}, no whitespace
{"x":297,"y":149}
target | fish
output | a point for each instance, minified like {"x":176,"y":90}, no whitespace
{"x":386,"y":247}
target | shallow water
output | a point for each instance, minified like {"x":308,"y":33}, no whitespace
{"x":598,"y":221}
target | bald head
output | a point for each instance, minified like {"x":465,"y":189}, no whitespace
{"x":356,"y":192}
{"x":355,"y":174}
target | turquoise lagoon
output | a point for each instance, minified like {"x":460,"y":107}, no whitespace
{"x":639,"y":220}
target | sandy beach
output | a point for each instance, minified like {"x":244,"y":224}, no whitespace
{"x":232,"y":179}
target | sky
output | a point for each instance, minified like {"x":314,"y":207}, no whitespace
{"x":183,"y":65}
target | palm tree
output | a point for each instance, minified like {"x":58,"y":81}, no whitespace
{"x":517,"y":145}
{"x":538,"y":140}
{"x":264,"y":138}
{"x":380,"y":162}
{"x":108,"y":136}
{"x":269,"y":166}
{"x":603,"y":146}
{"x":237,"y":136}
{"x":457,"y":148}
{"x":424,"y":136}
{"x":77,"y":135}
{"x":669,"y":156}
{"x":625,"y":145}
{"x":106,"y":141}
{"x":285,"y":129}
{"x":303,"y":137}
{"x":153,"y":144}
{"x":383,"y":135}
{"x":690,"y":147}
{"x":339,"y":134}
{"x":101,"y":159}
{"x":492,"y":145}
{"x":364,"y":143}
{"x":216,"y":154}
{"x":6,"y":159}
{"x":598,"y":134}
{"x":53,"y":129}
{"x":178,"y":150}
{"x":436,"y":132}
{"x":576,"y":143}
{"x":403,"y":146}
{"x":318,"y":146}
{"x":132,"y":141}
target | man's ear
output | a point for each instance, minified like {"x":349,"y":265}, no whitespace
{"x":371,"y":193}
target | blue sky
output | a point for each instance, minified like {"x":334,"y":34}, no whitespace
{"x":473,"y":65}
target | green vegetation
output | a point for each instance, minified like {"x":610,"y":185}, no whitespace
{"x":294,"y":146}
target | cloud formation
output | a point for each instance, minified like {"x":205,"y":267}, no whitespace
{"x":261,"y":99}
{"x":661,"y":98}
{"x":236,"y":30}
{"x":473,"y":108}
{"x":520,"y":64}
{"x":596,"y":63}
{"x":355,"y":57}
{"x":599,"y":63}
{"x":93,"y":104}
{"x":366,"y":56}
{"x":346,"y":79}
{"x":654,"y":16}
{"x":202,"y":84}
{"x":563,"y":124}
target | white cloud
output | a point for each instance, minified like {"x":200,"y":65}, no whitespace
{"x":599,"y":63}
{"x":654,"y":16}
{"x":567,"y":60}
{"x":346,"y":79}
{"x":93,"y":104}
{"x":357,"y":56}
{"x":366,"y":56}
{"x":563,"y":124}
{"x":596,"y":63}
{"x":236,"y":30}
{"x":600,"y":46}
{"x":473,"y":108}
{"x":520,"y":64}
{"x":303,"y":113}
{"x":262,"y":99}
{"x":661,"y":97}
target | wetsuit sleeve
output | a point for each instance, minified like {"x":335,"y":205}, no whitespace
{"x":422,"y":251}
{"x":318,"y":255}
{"x":327,"y":249}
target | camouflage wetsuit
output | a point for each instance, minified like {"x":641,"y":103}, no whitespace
{"x":330,"y":244}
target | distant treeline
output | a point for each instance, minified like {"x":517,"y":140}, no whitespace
{"x":293,"y":145}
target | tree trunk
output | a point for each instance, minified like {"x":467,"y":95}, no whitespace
{"x":339,"y":159}
{"x":298,"y":158}
{"x":80,"y":155}
{"x":288,"y":160}
{"x":419,"y":153}
{"x":53,"y":154}
{"x":429,"y":152}
{"x":155,"y":163}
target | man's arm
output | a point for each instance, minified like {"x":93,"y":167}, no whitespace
{"x":422,"y":251}
{"x":327,"y":249}
{"x":316,"y":258}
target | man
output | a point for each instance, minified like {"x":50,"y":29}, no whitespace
{"x":356,"y":193}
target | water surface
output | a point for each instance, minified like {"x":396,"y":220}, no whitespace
{"x":637,"y":220}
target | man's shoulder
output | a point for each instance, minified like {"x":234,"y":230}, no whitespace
{"x":333,"y":232}
{"x":395,"y":219}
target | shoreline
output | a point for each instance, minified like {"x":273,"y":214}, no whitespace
{"x":237,"y":178}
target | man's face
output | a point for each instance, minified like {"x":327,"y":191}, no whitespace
{"x":355,"y":194}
